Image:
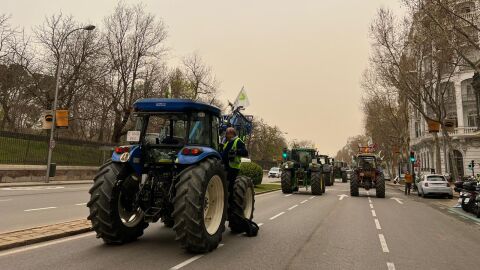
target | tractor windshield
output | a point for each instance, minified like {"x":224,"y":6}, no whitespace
{"x":367,"y":163}
{"x":168,"y":129}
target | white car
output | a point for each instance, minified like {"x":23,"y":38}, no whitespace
{"x":434,"y":184}
{"x":274,"y":172}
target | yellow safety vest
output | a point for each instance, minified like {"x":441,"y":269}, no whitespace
{"x":235,"y":164}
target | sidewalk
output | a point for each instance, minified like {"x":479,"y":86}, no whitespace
{"x":51,"y":183}
{"x":401,"y":187}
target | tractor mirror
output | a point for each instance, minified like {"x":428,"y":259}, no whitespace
{"x":133,"y":136}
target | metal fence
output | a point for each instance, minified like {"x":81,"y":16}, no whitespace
{"x":21,"y":148}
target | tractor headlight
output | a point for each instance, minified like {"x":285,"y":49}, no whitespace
{"x":286,"y":166}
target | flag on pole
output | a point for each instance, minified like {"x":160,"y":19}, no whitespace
{"x":242,"y":99}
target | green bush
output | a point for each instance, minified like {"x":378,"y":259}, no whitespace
{"x":252,"y":170}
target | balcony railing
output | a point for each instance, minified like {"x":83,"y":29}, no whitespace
{"x":464,"y":130}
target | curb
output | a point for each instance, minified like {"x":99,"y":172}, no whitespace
{"x":267,"y":191}
{"x":39,"y":234}
{"x":51,"y":183}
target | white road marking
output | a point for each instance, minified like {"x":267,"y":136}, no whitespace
{"x":288,"y":195}
{"x":383,"y":242}
{"x":189,"y":261}
{"x":45,"y":244}
{"x":267,"y":193}
{"x":80,"y":204}
{"x":312,"y":197}
{"x":371,"y":206}
{"x":368,"y":193}
{"x":341,"y":196}
{"x":304,"y":201}
{"x":5,"y":200}
{"x":292,"y":207}
{"x":390,"y":266}
{"x":277,"y":215}
{"x":260,"y":224}
{"x":397,"y":199}
{"x":377,"y":224}
{"x":373,"y":213}
{"x":369,"y":200}
{"x":39,"y":209}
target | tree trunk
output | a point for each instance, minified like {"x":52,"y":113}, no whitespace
{"x":438,"y":159}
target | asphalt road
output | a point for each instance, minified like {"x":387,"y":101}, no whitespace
{"x":298,"y":231}
{"x":26,"y":207}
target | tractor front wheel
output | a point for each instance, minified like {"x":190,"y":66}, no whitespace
{"x":380,"y":187}
{"x":354,"y":186}
{"x":344,"y":177}
{"x":286,"y":182}
{"x":242,"y":203}
{"x":115,"y":216}
{"x":200,"y":206}
{"x":317,"y":180}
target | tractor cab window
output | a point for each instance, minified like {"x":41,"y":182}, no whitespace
{"x":168,"y":129}
{"x":199,"y":129}
{"x":367,"y":163}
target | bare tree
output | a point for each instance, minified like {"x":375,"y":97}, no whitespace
{"x":200,"y":78}
{"x":133,"y":38}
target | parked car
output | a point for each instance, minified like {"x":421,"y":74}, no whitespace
{"x":274,"y":172}
{"x":434,"y":184}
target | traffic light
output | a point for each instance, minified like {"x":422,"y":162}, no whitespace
{"x":412,"y":156}
{"x":472,"y":164}
{"x":285,"y":154}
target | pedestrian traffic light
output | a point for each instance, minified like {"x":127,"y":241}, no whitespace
{"x":412,"y":156}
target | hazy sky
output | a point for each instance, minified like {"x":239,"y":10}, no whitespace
{"x":300,"y":61}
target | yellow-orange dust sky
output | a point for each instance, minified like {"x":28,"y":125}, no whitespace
{"x":300,"y":61}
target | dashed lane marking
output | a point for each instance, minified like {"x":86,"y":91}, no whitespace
{"x":374,"y":213}
{"x":371,"y":206}
{"x":383,"y":242}
{"x":277,"y":215}
{"x":304,"y":201}
{"x":390,"y":266}
{"x":369,"y":200}
{"x":39,"y":209}
{"x":260,"y":224}
{"x":80,"y":204}
{"x":5,"y":200}
{"x":377,"y":224}
{"x":189,"y":261}
{"x":312,"y":197}
{"x":292,"y":207}
{"x":288,"y":195}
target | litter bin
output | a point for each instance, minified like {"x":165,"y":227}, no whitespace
{"x":53,"y":170}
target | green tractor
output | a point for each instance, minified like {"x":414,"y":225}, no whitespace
{"x":301,"y":169}
{"x":327,"y":169}
{"x":340,"y":170}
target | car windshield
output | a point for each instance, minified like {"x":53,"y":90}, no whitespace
{"x":435,"y":178}
{"x":275,"y":169}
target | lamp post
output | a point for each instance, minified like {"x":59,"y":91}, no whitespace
{"x":51,"y":142}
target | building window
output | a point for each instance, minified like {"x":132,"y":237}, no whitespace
{"x":417,"y":130}
{"x":472,"y":119}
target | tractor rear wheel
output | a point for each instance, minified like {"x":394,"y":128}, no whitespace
{"x":380,"y":187}
{"x":354,"y":186}
{"x":242,"y":203}
{"x":115,"y":216}
{"x":200,"y":206}
{"x":332,"y":179}
{"x":323,"y":183}
{"x":326,"y":177}
{"x":317,"y":183}
{"x":286,"y":182}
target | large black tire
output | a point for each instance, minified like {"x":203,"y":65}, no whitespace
{"x":323,"y":183}
{"x":464,"y":205}
{"x":242,"y":203}
{"x":189,"y":205}
{"x":317,"y":183}
{"x":332,"y":179}
{"x":380,"y":187}
{"x":286,"y":182}
{"x":354,"y":186}
{"x":326,"y":177}
{"x":104,"y":206}
{"x":344,"y":177}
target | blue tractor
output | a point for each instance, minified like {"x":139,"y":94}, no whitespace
{"x":171,"y":170}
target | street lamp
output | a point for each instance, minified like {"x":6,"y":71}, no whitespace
{"x":51,"y":142}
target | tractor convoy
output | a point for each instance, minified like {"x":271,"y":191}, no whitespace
{"x":171,"y":170}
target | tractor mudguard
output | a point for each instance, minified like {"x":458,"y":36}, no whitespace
{"x":190,"y":159}
{"x":326,"y":168}
{"x":314,"y":167}
{"x":133,"y":157}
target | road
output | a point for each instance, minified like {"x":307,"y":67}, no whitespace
{"x":298,"y":231}
{"x":27,"y":207}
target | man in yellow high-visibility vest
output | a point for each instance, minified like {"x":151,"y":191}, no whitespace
{"x":408,"y":183}
{"x":233,"y":151}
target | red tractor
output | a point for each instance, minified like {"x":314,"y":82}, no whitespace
{"x":367,"y":174}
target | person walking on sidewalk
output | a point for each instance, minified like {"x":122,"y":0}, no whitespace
{"x":408,"y":183}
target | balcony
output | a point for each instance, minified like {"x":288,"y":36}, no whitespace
{"x":464,"y":130}
{"x":455,"y":134}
